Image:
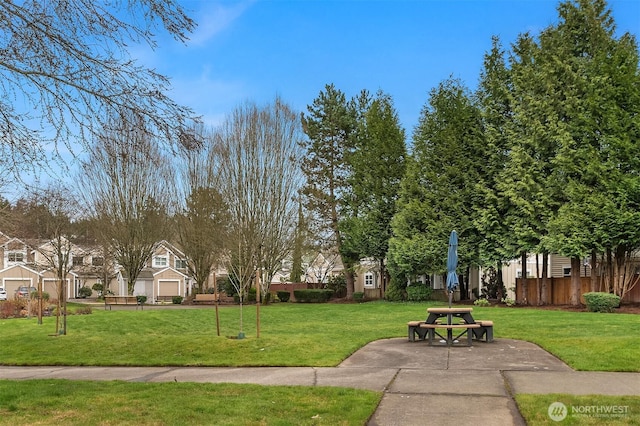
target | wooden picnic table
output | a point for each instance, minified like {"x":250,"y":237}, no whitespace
{"x":437,"y":313}
{"x":466,"y":325}
{"x":456,"y":318}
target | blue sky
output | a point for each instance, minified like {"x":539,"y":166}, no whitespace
{"x":255,"y":50}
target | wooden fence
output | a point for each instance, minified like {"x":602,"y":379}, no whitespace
{"x":372,"y":293}
{"x":559,"y":291}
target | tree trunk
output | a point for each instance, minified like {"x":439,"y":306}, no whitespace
{"x":465,"y":284}
{"x":621,"y":275}
{"x":594,"y":276}
{"x":538,"y":280}
{"x":574,"y":295}
{"x":350,"y":278}
{"x":544,"y":293}
{"x":523,"y":261}
{"x":64,"y":307}
{"x":499,"y":292}
{"x":610,"y":270}
{"x":383,"y":277}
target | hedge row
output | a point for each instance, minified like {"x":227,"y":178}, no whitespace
{"x":312,"y":295}
{"x":283,"y":295}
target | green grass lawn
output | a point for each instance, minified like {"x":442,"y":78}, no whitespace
{"x":581,"y":410}
{"x":290,"y":335}
{"x":298,"y":335}
{"x":54,"y":402}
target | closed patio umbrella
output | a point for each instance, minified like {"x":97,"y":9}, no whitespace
{"x":452,"y":264}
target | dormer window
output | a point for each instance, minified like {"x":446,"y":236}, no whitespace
{"x":160,"y":261}
{"x":15,"y":257}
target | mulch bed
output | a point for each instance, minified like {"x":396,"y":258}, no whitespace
{"x":627,"y":308}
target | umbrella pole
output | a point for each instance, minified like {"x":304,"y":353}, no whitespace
{"x":450,"y":297}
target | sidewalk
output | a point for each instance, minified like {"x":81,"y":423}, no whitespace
{"x":422,"y":384}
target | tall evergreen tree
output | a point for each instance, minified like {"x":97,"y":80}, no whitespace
{"x":493,"y":210}
{"x":439,"y":189}
{"x":572,"y":89}
{"x":593,"y":84}
{"x":377,"y":165}
{"x":329,"y":126}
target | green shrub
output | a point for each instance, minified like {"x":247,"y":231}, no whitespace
{"x":508,"y":301}
{"x":490,"y":285}
{"x":358,"y":296}
{"x":84,"y":292}
{"x":601,"y":302}
{"x":481,"y":302}
{"x":226,"y":286}
{"x":312,"y":295}
{"x":394,"y":293}
{"x":176,"y":300}
{"x":418,"y":293}
{"x":283,"y":295}
{"x":99,"y":288}
{"x":251,"y":295}
{"x":141,"y":299}
{"x":337,"y":283}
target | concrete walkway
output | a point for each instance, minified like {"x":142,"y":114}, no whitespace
{"x":422,"y":384}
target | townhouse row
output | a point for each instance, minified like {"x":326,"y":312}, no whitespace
{"x":24,"y":263}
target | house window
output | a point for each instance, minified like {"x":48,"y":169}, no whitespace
{"x":160,"y":261}
{"x":15,"y":256}
{"x":97,"y":261}
{"x":77,"y":261}
{"x":181,"y":264}
{"x":566,"y":271}
{"x":368,"y":280}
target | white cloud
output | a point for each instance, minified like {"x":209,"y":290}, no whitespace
{"x":212,"y":98}
{"x":214,"y":18}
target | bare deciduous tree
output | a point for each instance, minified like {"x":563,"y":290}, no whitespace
{"x":126,"y":184}
{"x":65,"y":64}
{"x":259,"y":159}
{"x":202,"y":232}
{"x":55,"y":225}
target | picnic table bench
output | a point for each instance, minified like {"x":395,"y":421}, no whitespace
{"x":205,"y":298}
{"x":450,"y":338}
{"x":121,"y":300}
{"x":450,"y":319}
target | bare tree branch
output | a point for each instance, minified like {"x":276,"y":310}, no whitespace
{"x":259,"y":159}
{"x":64,"y":65}
{"x":127,"y":187}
